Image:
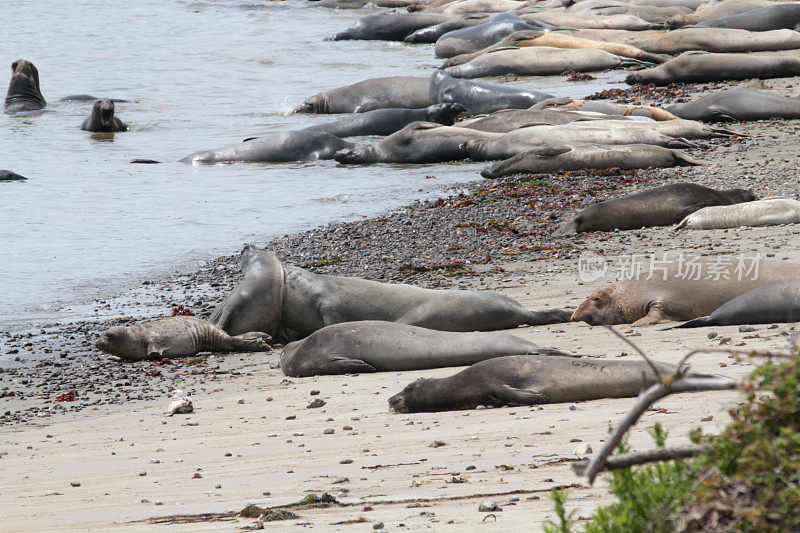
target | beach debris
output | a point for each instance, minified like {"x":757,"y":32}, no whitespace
{"x":180,"y":404}
{"x":489,"y":506}
{"x":582,"y":449}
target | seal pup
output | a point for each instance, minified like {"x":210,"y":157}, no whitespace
{"x":387,"y":121}
{"x":704,"y":66}
{"x":291,"y":303}
{"x":23,"y":89}
{"x":767,"y":212}
{"x":680,"y":291}
{"x":376,"y":93}
{"x":659,"y":206}
{"x":102,"y":119}
{"x":177,"y":336}
{"x":377,"y":346}
{"x":527,"y":380}
{"x":738,"y":104}
{"x":772,"y":304}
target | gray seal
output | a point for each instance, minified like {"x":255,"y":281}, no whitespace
{"x":704,"y":66}
{"x":275,"y":147}
{"x":387,"y":121}
{"x":773,"y":304}
{"x":738,"y":104}
{"x":23,"y":89}
{"x":178,"y":336}
{"x":389,"y":26}
{"x":376,"y":346}
{"x":659,"y":206}
{"x":528,"y":380}
{"x":291,"y":303}
{"x":102,"y":119}
{"x":376,"y":93}
{"x":7,"y":175}
{"x":481,"y":97}
{"x":774,"y":17}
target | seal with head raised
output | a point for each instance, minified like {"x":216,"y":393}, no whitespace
{"x":388,"y":121}
{"x":102,"y":118}
{"x":773,"y":304}
{"x":377,"y":346}
{"x":681,"y":290}
{"x":659,"y":206}
{"x":407,"y":92}
{"x":178,"y":336}
{"x":291,"y":303}
{"x":528,"y":380}
{"x":23,"y":90}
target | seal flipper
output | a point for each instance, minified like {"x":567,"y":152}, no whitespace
{"x":254,"y":341}
{"x":567,"y":228}
{"x":695,"y":323}
{"x":506,"y":394}
{"x":345,"y":365}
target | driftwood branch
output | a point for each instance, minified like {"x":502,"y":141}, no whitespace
{"x":630,"y":343}
{"x":651,"y":456}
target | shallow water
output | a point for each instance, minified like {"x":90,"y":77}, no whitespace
{"x":198,"y":75}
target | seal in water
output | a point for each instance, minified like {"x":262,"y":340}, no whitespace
{"x":527,"y":380}
{"x":659,"y":206}
{"x":767,"y":212}
{"x":738,"y":104}
{"x":7,"y":175}
{"x":291,"y":303}
{"x":773,"y":304}
{"x":377,"y":346}
{"x":389,"y":26}
{"x":387,"y":121}
{"x":376,"y":93}
{"x":23,"y":90}
{"x":274,"y":147}
{"x":681,"y":290}
{"x":177,"y":336}
{"x":102,"y":118}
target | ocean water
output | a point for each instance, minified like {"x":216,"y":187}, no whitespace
{"x":198,"y":75}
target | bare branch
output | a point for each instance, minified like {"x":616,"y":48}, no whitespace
{"x":638,"y":350}
{"x":646,"y":399}
{"x":650,"y":456}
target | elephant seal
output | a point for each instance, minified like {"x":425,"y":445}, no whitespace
{"x":767,"y":212}
{"x":432,"y":33}
{"x":481,"y":97}
{"x":659,"y":206}
{"x":681,"y":290}
{"x":23,"y":89}
{"x":102,"y":118}
{"x":527,"y":380}
{"x":291,"y":303}
{"x":773,"y":304}
{"x":538,"y":61}
{"x":704,"y":66}
{"x":478,"y":37}
{"x":555,"y":158}
{"x":387,"y":121}
{"x":389,"y":26}
{"x":177,"y":336}
{"x":738,"y":104}
{"x":376,"y":93}
{"x":677,"y":127}
{"x":419,"y":142}
{"x":774,"y":17}
{"x":275,"y":147}
{"x":508,"y":120}
{"x":589,"y":21}
{"x":611,"y":108}
{"x":720,"y":41}
{"x":716,"y":10}
{"x":376,"y":346}
{"x":7,"y":175}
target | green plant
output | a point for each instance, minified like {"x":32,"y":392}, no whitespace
{"x":565,"y":521}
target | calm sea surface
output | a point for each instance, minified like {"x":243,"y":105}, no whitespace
{"x":198,"y":75}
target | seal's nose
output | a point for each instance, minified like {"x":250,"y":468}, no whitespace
{"x":396,"y":402}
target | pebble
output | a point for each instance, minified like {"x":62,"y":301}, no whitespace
{"x":712,"y":335}
{"x":377,"y":525}
{"x":582,"y":449}
{"x":314,"y":392}
{"x":346,"y":461}
{"x":328,"y":431}
{"x":489,"y":506}
{"x":75,"y":483}
{"x":316,"y":404}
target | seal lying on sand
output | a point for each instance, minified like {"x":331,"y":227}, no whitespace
{"x":432,"y":33}
{"x":102,"y":118}
{"x":376,"y":346}
{"x":177,"y":336}
{"x":377,"y":93}
{"x":767,"y":212}
{"x":720,"y":41}
{"x":775,"y":17}
{"x":479,"y":96}
{"x":660,"y":206}
{"x":773,"y":304}
{"x":738,"y":104}
{"x":681,"y":290}
{"x":563,"y":157}
{"x":716,"y":10}
{"x":23,"y":89}
{"x":290,"y":303}
{"x":388,"y":121}
{"x":475,"y":38}
{"x":704,"y":66}
{"x":274,"y":147}
{"x":527,"y":380}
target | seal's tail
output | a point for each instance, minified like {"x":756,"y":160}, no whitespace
{"x":254,"y":341}
{"x":695,"y":323}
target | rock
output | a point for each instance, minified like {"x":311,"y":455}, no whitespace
{"x":217,"y":486}
{"x":314,"y":392}
{"x":746,"y":329}
{"x":328,"y":431}
{"x":346,"y":461}
{"x":240,"y":401}
{"x":74,"y":484}
{"x":377,"y":525}
{"x":582,"y":449}
{"x":489,"y":506}
{"x":315,"y":404}
{"x":712,"y":335}
{"x":181,"y":406}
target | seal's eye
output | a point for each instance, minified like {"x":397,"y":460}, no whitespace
{"x":595,"y":299}
{"x":14,"y":65}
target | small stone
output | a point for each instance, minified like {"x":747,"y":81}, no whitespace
{"x":725,"y":340}
{"x":181,"y":406}
{"x":582,"y":449}
{"x":346,"y":461}
{"x":489,"y":506}
{"x":339,"y":480}
{"x":228,"y":454}
{"x":240,"y":401}
{"x":470,"y":467}
{"x":746,"y":329}
{"x":142,"y":474}
{"x":315,"y":404}
{"x":708,"y":418}
{"x":74,"y":484}
{"x":314,"y":392}
{"x":347,"y":428}
{"x":291,"y":417}
{"x":377,"y":525}
{"x":712,"y":335}
{"x":328,"y":431}
{"x":217,"y":486}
